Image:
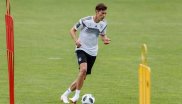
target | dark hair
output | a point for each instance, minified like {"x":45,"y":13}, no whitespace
{"x":101,"y":6}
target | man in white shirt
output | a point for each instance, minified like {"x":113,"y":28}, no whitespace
{"x":90,"y":27}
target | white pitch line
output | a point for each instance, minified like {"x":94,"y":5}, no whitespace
{"x":54,"y":58}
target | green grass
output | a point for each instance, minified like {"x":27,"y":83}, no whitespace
{"x":42,"y":33}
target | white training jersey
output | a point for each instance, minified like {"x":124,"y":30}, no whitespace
{"x":89,"y":32}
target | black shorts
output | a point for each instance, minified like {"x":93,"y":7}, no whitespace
{"x":83,"y":57}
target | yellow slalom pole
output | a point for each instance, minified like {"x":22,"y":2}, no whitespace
{"x":144,"y":78}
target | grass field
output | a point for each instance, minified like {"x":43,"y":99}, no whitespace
{"x":45,"y":63}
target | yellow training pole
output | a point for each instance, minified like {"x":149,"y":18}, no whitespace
{"x":144,"y":78}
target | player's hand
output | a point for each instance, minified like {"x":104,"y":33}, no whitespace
{"x":107,"y":41}
{"x":78,"y":44}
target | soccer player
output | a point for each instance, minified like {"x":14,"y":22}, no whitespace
{"x":90,"y":27}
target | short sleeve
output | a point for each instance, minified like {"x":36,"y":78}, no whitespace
{"x":79,"y":25}
{"x":103,"y":32}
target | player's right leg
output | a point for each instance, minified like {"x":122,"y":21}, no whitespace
{"x":80,"y":80}
{"x":64,"y":96}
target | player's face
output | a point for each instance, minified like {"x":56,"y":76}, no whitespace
{"x":101,"y":14}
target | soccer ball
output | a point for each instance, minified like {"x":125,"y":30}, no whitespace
{"x":88,"y":99}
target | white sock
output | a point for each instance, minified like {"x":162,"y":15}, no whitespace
{"x":67,"y":92}
{"x":77,"y":94}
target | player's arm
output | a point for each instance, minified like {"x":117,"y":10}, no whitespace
{"x":74,"y":36}
{"x":105,"y":39}
{"x":73,"y":31}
